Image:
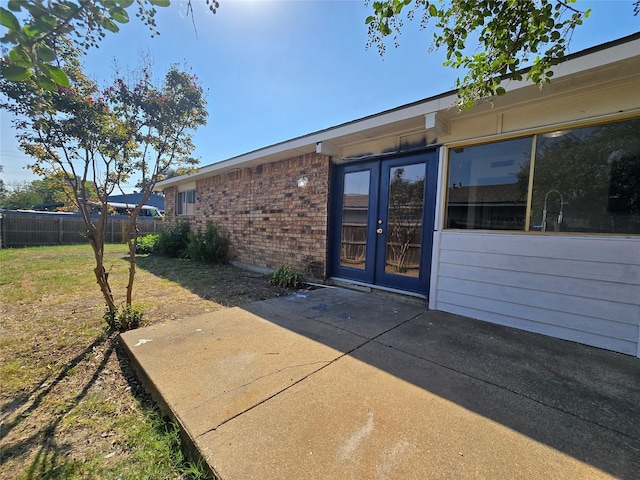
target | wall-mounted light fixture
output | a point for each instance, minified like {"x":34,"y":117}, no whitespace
{"x":302,"y":182}
{"x":556,"y":134}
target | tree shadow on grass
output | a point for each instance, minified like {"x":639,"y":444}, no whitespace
{"x":224,"y":284}
{"x":50,"y":460}
{"x":45,"y":446}
{"x":186,"y":457}
{"x":37,"y":399}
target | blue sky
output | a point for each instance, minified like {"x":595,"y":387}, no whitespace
{"x":277,"y":69}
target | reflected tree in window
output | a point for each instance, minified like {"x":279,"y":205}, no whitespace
{"x":406,"y":196}
{"x":588,"y":180}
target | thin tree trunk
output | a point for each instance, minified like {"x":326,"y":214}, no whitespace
{"x":102,"y":276}
{"x":132,"y":241}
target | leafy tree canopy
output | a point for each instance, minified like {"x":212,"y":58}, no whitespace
{"x":34,"y":26}
{"x":49,"y":190}
{"x":490,"y":39}
{"x":27,"y":194}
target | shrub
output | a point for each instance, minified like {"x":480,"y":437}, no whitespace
{"x":173,"y":240}
{"x":147,"y":244}
{"x":286,"y":278}
{"x":210,"y":245}
{"x":124,"y":318}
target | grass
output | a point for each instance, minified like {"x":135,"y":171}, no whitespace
{"x":70,"y":403}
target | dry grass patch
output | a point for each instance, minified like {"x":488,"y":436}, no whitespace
{"x":70,"y":404}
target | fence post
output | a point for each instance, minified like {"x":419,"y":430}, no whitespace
{"x":112,"y":222}
{"x":60,"y":231}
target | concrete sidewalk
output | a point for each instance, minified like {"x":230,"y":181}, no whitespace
{"x":336,"y":384}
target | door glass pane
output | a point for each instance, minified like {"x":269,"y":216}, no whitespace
{"x":404,"y":219}
{"x":355,"y":211}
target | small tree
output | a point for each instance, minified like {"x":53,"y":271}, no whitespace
{"x":98,"y":139}
{"x":161,"y":120}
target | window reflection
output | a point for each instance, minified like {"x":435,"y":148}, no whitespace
{"x":585,"y":180}
{"x":404,"y":222}
{"x":588,"y":180}
{"x":186,"y":202}
{"x":488,"y":185}
{"x":355,"y":211}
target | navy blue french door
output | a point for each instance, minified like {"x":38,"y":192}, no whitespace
{"x":382,"y":221}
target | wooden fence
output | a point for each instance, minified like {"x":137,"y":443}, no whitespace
{"x":27,"y":229}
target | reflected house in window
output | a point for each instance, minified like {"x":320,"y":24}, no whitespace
{"x":585,"y":180}
{"x":491,"y":207}
{"x":488,"y":185}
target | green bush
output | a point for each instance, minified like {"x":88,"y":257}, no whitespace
{"x":147,"y":244}
{"x":124,"y":318}
{"x":287,"y":278}
{"x":210,"y":245}
{"x":173,"y":240}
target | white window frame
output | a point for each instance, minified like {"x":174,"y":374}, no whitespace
{"x":186,"y":202}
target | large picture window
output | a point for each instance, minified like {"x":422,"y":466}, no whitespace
{"x":186,"y":202}
{"x":588,"y":180}
{"x":585,"y":180}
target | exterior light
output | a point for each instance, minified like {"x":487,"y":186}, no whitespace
{"x":302,"y":182}
{"x":556,"y":134}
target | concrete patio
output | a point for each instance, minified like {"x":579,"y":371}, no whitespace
{"x":338,"y":384}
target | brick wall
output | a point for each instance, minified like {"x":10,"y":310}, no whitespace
{"x":271,"y":221}
{"x":170,"y":197}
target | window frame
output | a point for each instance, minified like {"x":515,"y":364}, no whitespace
{"x":180,"y":203}
{"x":447,"y":178}
{"x":532,"y":133}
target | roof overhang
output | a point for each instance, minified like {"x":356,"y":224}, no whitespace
{"x":432,"y":115}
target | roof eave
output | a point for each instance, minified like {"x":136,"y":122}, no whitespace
{"x":598,"y":56}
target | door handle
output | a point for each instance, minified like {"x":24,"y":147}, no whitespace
{"x":378,"y":231}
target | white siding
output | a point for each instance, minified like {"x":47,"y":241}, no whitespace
{"x":583,"y":289}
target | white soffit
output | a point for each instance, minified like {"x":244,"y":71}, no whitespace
{"x":187,"y":186}
{"x":401,"y":119}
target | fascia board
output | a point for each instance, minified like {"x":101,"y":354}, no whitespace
{"x":592,"y":59}
{"x":307,"y":143}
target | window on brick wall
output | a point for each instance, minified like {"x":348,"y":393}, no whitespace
{"x":186,"y":202}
